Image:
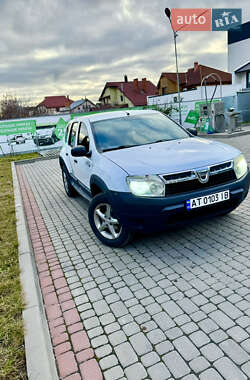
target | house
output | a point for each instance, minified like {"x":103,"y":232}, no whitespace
{"x":82,"y":105}
{"x":55,"y":104}
{"x":168,"y":83}
{"x":127,"y":93}
{"x":191,"y":79}
{"x":239,"y":55}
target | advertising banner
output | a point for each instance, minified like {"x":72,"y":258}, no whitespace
{"x":60,"y":128}
{"x":16,"y":127}
{"x":192,"y":117}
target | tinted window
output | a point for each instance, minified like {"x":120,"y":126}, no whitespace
{"x":72,"y":137}
{"x":83,"y":137}
{"x":135,"y":130}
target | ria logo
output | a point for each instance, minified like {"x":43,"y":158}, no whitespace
{"x":224,"y":19}
{"x":205,"y":19}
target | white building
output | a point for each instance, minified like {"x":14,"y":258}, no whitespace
{"x":82,"y":105}
{"x":239,"y":56}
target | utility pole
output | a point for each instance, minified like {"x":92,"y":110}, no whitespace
{"x":168,"y":14}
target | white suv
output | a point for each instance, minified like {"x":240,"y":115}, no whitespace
{"x":140,"y":171}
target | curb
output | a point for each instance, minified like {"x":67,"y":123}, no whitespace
{"x":225,"y":135}
{"x":40,"y":360}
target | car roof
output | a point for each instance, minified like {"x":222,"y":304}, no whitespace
{"x":113,"y":115}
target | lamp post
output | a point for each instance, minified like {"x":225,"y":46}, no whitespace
{"x":168,"y":14}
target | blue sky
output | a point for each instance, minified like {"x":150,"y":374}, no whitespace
{"x":72,"y":47}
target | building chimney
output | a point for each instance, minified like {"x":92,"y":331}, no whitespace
{"x":144,"y":84}
{"x":125,"y":78}
{"x":196,"y":66}
{"x":136,"y":84}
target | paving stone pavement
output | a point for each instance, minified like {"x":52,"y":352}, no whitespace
{"x":173,"y":305}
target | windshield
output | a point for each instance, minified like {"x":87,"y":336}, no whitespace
{"x":124,"y":132}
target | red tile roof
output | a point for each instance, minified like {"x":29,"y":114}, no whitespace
{"x":135,"y":91}
{"x":56,"y":102}
{"x":173,"y":78}
{"x":194,"y":76}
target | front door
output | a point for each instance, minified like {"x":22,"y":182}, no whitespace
{"x":82,"y":165}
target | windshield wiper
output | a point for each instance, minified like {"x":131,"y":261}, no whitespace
{"x":119,"y":147}
{"x":162,"y":140}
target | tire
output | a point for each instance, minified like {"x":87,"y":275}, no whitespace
{"x":104,"y":225}
{"x":69,"y":189}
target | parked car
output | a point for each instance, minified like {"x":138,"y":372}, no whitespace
{"x":43,"y":139}
{"x":18,"y":139}
{"x":54,"y":136}
{"x":140,"y":170}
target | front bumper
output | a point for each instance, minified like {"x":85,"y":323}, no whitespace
{"x":141,"y":213}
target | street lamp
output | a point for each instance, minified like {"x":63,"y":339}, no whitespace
{"x":168,"y":14}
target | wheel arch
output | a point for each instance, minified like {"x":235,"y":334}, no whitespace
{"x":97,"y":185}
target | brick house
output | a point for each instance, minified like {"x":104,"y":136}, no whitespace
{"x":55,"y":104}
{"x":127,"y":93}
{"x":191,"y":79}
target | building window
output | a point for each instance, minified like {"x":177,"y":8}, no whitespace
{"x":164,"y":90}
{"x":121,"y":98}
{"x":248,"y":79}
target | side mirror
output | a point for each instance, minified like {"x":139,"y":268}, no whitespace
{"x":193,"y":131}
{"x":79,"y":151}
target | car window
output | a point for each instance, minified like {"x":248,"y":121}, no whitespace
{"x":72,"y":137}
{"x":83,"y":136}
{"x":135,"y":130}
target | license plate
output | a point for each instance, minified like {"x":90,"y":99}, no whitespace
{"x":207,"y":200}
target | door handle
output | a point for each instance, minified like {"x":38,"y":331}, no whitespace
{"x":75,"y":161}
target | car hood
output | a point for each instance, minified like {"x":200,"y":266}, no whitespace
{"x":171,"y":156}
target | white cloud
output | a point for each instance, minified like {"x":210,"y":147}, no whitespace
{"x":74,"y":47}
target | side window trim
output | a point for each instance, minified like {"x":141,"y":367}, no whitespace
{"x":76,"y":123}
{"x":79,"y":130}
{"x":68,"y":129}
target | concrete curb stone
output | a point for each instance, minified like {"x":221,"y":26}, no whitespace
{"x":39,"y":353}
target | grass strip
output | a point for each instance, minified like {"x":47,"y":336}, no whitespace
{"x":12,"y":352}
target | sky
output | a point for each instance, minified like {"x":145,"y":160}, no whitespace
{"x":73,"y":47}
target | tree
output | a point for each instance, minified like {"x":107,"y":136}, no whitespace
{"x":12,"y":108}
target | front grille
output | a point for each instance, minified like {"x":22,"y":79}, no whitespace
{"x":221,"y":167}
{"x":185,"y":186}
{"x":194,"y":184}
{"x":177,"y":177}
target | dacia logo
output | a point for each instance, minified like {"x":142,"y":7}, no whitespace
{"x":226,"y":18}
{"x":203,"y":175}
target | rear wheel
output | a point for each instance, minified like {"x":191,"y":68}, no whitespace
{"x":69,"y":189}
{"x":104,"y":223}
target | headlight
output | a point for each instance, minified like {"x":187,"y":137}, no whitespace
{"x":240,"y":166}
{"x":146,"y":186}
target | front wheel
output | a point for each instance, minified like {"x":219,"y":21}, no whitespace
{"x":105,"y":225}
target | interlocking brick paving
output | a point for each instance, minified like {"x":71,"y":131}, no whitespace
{"x":173,"y":305}
{"x":70,"y":342}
